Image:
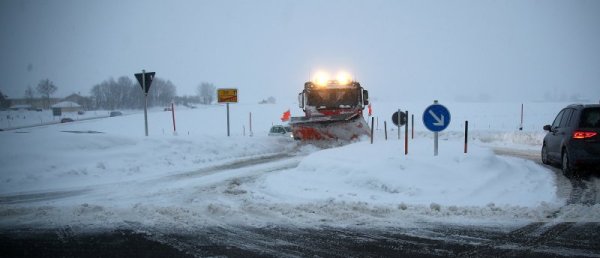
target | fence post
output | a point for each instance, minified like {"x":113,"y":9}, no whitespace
{"x":412,"y":125}
{"x":372,"y":124}
{"x":466,"y":134}
{"x":385,"y":129}
{"x":406,"y":135}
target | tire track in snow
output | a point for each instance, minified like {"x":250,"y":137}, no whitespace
{"x":232,"y":165}
{"x":585,"y":191}
{"x":538,"y":235}
{"x":40,"y":196}
{"x":32,"y":197}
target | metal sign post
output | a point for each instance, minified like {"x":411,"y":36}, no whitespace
{"x":227,"y":96}
{"x":227,"y":119}
{"x":399,"y":119}
{"x":145,"y":80}
{"x":435,"y":143}
{"x":145,"y":101}
{"x":399,"y":123}
{"x":435,"y":137}
{"x":436,"y":118}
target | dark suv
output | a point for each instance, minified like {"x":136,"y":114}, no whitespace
{"x":573,"y":140}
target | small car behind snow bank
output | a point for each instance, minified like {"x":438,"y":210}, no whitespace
{"x":115,"y":113}
{"x":281,"y":130}
{"x":66,"y":120}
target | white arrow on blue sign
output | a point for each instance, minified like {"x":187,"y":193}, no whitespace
{"x":436,"y":118}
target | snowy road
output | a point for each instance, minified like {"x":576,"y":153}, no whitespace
{"x":98,"y":188}
{"x":579,"y":193}
{"x":557,"y":235}
{"x":534,"y":240}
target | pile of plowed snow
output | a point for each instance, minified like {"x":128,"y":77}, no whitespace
{"x":382,"y":174}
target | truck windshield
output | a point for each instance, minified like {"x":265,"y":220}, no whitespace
{"x":333,"y":98}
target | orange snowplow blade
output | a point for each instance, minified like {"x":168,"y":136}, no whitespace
{"x":326,"y":128}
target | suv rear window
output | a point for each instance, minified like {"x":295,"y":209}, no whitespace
{"x":590,"y":118}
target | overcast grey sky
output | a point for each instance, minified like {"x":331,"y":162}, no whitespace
{"x":405,"y":50}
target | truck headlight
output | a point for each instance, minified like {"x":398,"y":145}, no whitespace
{"x":321,"y":78}
{"x":344,"y":78}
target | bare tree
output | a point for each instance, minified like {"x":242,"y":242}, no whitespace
{"x":161,"y":93}
{"x":124,"y":93}
{"x":206,"y":93}
{"x":29,"y":95}
{"x":111,"y":94}
{"x":4,"y":101}
{"x":46,"y":88}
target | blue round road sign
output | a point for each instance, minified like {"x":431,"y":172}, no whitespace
{"x":436,"y":118}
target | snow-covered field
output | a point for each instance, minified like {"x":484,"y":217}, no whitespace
{"x":105,"y":173}
{"x":13,"y":119}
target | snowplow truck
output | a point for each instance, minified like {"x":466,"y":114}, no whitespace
{"x":332,"y":111}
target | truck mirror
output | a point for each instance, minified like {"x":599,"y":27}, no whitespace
{"x":301,"y":100}
{"x":365,"y":97}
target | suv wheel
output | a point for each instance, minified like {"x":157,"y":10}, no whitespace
{"x":545,"y":155}
{"x":567,"y":170}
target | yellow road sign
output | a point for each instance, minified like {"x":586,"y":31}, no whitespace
{"x":227,"y":95}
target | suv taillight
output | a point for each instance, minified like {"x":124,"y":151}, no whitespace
{"x":583,"y":134}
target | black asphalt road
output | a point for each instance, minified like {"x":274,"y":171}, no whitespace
{"x":539,"y":239}
{"x":533,"y":240}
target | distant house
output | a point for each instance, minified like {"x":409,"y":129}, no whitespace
{"x":35,"y":103}
{"x":84,"y":102}
{"x":66,"y":106}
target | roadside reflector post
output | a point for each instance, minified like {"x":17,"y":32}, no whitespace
{"x":406,"y":135}
{"x":250,"y":132}
{"x":521,"y":125}
{"x":173,"y":113}
{"x":377,"y":123}
{"x":466,"y":134}
{"x":412,"y":125}
{"x":243,"y":130}
{"x":385,"y":129}
{"x":372,"y":124}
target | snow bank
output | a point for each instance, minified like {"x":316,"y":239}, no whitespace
{"x":381,"y":174}
{"x":47,"y":160}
